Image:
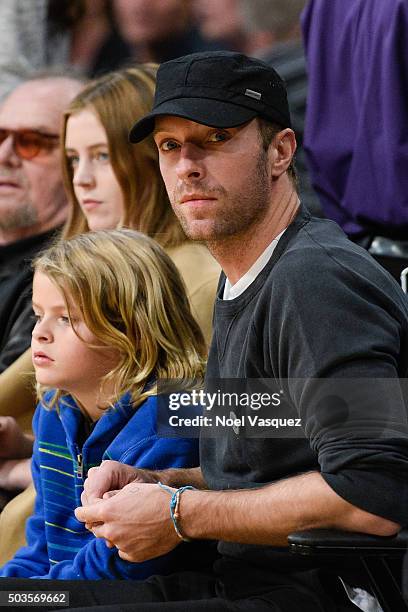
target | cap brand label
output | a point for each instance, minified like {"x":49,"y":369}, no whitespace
{"x":253,"y":94}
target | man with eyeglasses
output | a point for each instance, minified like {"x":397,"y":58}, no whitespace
{"x":32,"y":201}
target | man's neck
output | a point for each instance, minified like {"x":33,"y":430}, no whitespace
{"x":236,"y":254}
{"x":11,"y":236}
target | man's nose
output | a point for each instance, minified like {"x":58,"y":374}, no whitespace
{"x":190,"y":164}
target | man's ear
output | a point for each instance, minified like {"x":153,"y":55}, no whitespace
{"x":281,"y":151}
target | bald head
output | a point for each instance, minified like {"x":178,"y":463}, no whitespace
{"x":32,"y":200}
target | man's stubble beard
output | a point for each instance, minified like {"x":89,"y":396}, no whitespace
{"x":22,"y":217}
{"x":240,"y":212}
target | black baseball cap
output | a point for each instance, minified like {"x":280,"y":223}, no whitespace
{"x":219,"y":89}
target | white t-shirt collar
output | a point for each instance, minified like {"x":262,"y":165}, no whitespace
{"x":233,"y":291}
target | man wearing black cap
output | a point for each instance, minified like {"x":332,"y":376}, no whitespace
{"x":297,"y":302}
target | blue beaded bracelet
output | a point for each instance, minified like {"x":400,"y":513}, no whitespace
{"x":175,"y":507}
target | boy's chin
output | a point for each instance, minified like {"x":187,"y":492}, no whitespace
{"x":46,"y":380}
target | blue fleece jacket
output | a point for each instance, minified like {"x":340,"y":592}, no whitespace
{"x":58,"y":545}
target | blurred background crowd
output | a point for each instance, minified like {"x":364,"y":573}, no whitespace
{"x":100,"y":35}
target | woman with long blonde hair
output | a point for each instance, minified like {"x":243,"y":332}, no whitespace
{"x":111,"y":182}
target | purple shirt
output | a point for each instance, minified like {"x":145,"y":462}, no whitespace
{"x":356,"y":134}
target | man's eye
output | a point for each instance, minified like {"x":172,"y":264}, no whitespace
{"x":168,"y":145}
{"x":218,"y":136}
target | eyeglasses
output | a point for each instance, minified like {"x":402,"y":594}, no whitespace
{"x":27,"y":144}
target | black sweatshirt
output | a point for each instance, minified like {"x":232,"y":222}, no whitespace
{"x":322,"y":308}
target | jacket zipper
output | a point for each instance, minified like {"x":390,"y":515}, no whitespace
{"x":80,"y":467}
